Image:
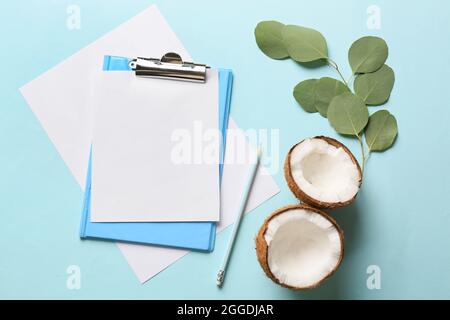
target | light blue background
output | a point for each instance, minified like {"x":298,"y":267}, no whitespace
{"x":400,"y":221}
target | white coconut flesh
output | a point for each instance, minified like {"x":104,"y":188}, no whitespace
{"x":303,"y":247}
{"x":324,"y":172}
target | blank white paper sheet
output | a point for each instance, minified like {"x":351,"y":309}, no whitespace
{"x":151,"y":160}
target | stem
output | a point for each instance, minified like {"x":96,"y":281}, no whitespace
{"x":364,"y":156}
{"x":349,"y":81}
{"x":335,"y":66}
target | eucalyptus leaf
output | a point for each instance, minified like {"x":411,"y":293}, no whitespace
{"x":304,"y":44}
{"x":326,"y":89}
{"x":269,"y":40}
{"x":305,"y":94}
{"x":348,"y":114}
{"x":367,"y":54}
{"x":381,"y":131}
{"x":375,"y":88}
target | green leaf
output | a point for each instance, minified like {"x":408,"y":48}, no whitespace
{"x":315,"y":95}
{"x":367,"y":54}
{"x":348,"y":114}
{"x":326,"y":90}
{"x":381,"y":131}
{"x":304,"y":44}
{"x":305,"y":94}
{"x":269,"y":40}
{"x":375,"y":88}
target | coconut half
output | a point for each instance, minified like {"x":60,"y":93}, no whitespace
{"x":322,"y":172}
{"x":299,"y":247}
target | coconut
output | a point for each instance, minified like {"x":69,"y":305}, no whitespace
{"x":299,"y":247}
{"x":323,"y":172}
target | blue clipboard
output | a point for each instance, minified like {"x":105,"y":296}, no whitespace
{"x":187,"y":235}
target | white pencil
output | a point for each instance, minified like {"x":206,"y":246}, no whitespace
{"x":221,"y":274}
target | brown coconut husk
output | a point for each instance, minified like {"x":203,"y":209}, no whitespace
{"x":302,"y":195}
{"x":262,"y":248}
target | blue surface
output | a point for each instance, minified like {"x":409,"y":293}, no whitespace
{"x":400,"y":221}
{"x":187,"y":235}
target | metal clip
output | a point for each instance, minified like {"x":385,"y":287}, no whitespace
{"x":170,"y":66}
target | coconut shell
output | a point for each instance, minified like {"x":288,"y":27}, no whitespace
{"x":262,"y":247}
{"x":302,"y":195}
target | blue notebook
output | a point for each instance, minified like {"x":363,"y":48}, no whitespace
{"x":187,"y":235}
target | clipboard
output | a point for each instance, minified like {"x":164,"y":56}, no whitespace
{"x":187,"y":235}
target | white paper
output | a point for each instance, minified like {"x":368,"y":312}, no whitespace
{"x":140,"y":127}
{"x":147,"y":261}
{"x":59,"y":99}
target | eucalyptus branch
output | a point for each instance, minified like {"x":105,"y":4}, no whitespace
{"x":344,"y":107}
